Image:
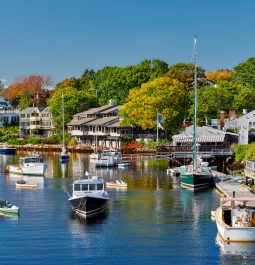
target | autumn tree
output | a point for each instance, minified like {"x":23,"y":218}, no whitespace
{"x":36,"y":86}
{"x":163,"y":94}
{"x":219,"y":75}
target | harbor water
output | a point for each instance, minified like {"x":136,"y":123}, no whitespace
{"x":153,"y":221}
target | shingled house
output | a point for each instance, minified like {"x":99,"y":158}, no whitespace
{"x":99,"y":127}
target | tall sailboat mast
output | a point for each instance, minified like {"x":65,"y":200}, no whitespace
{"x":63,"y":121}
{"x":194,"y":140}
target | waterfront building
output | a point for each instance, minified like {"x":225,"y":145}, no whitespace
{"x":244,"y":126}
{"x":99,"y":127}
{"x":208,"y":139}
{"x":34,"y":121}
{"x":8,"y":114}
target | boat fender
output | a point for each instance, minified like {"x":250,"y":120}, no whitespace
{"x":7,"y":167}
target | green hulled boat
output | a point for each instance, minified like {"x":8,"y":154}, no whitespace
{"x":198,"y":175}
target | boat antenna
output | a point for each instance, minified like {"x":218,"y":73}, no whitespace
{"x":194,"y":140}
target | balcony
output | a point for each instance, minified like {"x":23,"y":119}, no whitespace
{"x":78,"y":133}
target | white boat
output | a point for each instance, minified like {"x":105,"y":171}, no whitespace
{"x":108,"y":158}
{"x":89,"y":196}
{"x":20,"y":183}
{"x":7,"y":208}
{"x":29,"y":165}
{"x":235,"y":219}
{"x":117,"y":183}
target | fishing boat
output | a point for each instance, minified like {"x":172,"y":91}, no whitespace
{"x":7,"y":208}
{"x":235,"y":219}
{"x":6,"y":150}
{"x":29,"y":165}
{"x":117,"y":183}
{"x":64,"y":157}
{"x":20,"y":183}
{"x":89,"y":196}
{"x":108,"y":158}
{"x":198,"y":175}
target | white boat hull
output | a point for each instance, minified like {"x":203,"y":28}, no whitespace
{"x":29,"y":169}
{"x":234,"y":234}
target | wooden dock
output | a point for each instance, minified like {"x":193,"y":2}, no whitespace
{"x":229,"y":187}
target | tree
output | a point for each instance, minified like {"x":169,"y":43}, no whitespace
{"x":244,"y":73}
{"x":219,"y":75}
{"x":115,"y":82}
{"x":34,"y":85}
{"x":163,"y":94}
{"x":227,"y":95}
{"x":74,"y":101}
{"x":24,"y":101}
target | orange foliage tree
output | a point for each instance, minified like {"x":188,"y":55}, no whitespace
{"x":36,"y":86}
{"x":219,"y":75}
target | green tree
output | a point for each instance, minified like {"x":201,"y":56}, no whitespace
{"x":74,"y":101}
{"x":244,"y":73}
{"x":115,"y":82}
{"x":25,"y":100}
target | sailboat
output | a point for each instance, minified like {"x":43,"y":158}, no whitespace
{"x":64,"y":157}
{"x":198,"y":175}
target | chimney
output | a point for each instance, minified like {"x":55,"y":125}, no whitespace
{"x":244,"y":111}
{"x":232,"y":114}
{"x":222,"y":119}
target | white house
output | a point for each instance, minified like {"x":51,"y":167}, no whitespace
{"x":245,"y":126}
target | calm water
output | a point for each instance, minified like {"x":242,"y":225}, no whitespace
{"x":154,"y":221}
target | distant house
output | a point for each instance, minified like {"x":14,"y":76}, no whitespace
{"x":245,"y":127}
{"x":99,"y":126}
{"x":36,"y":122}
{"x":8,"y":114}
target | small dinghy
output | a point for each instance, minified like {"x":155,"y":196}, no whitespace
{"x":20,"y":183}
{"x":117,"y":183}
{"x":7,"y":208}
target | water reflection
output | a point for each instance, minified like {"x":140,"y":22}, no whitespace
{"x":235,"y":252}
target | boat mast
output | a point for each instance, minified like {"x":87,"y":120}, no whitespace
{"x":63,"y":120}
{"x":194,"y":140}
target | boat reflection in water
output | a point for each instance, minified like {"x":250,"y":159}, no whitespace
{"x":230,"y":250}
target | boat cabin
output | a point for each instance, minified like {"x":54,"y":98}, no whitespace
{"x":236,"y":212}
{"x":94,"y":184}
{"x":32,"y":159}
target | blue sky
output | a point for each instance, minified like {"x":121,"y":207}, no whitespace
{"x":62,"y":38}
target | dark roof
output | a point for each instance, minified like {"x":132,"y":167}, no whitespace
{"x":81,"y":121}
{"x":104,"y":120}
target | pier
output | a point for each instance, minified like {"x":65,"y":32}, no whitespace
{"x":229,"y":187}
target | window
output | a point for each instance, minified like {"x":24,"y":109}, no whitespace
{"x":100,"y":186}
{"x":76,"y":187}
{"x":84,"y":187}
{"x":92,"y":187}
